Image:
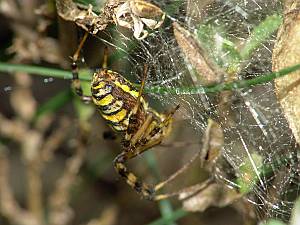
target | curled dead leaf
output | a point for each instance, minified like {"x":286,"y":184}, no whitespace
{"x":285,"y":54}
{"x":86,"y":18}
{"x":137,"y":14}
{"x":207,"y":71}
{"x":133,"y":14}
{"x":209,"y":193}
{"x":215,"y":194}
{"x":213,"y":142}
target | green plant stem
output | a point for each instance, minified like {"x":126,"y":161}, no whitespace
{"x":260,"y":34}
{"x":53,"y":104}
{"x":223,"y":86}
{"x":165,"y":205}
{"x":6,"y":67}
{"x":38,"y":70}
{"x":179,"y":213}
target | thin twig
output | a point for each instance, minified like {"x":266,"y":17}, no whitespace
{"x":60,"y":211}
{"x":8,"y":204}
{"x":55,"y":140}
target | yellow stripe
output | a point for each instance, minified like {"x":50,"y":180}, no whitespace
{"x":102,"y":92}
{"x":127,"y":89}
{"x":122,"y":126}
{"x":105,"y":101}
{"x":134,"y":93}
{"x":119,"y":127}
{"x":100,"y":85}
{"x":124,"y":87}
{"x":117,"y":117}
{"x":131,"y":179}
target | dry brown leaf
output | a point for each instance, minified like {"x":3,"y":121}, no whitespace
{"x":133,"y":14}
{"x":139,"y":15}
{"x":87,"y":19}
{"x":207,"y":71}
{"x":215,"y":194}
{"x":213,"y":142}
{"x":285,"y":54}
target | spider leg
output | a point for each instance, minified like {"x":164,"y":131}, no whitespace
{"x":146,"y":136}
{"x":144,"y":139}
{"x":162,"y":184}
{"x":149,"y":144}
{"x":142,"y":188}
{"x":133,"y":137}
{"x":199,"y":154}
{"x":130,"y":140}
{"x":193,"y":189}
{"x":135,"y":109}
{"x":149,"y":134}
{"x":75,"y":78}
{"x":151,"y":131}
{"x":174,"y":175}
{"x":105,"y":58}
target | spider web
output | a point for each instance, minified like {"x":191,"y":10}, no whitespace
{"x":258,"y":127}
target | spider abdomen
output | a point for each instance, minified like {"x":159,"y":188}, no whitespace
{"x":115,"y":98}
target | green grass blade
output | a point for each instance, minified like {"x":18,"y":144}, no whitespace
{"x":274,"y":222}
{"x":260,"y":34}
{"x":165,"y":206}
{"x":42,"y":71}
{"x":54,"y":104}
{"x":166,"y":210}
{"x":223,"y":86}
{"x":179,"y":213}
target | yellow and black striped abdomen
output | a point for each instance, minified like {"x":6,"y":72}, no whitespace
{"x":115,"y":97}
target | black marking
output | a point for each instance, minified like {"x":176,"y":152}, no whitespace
{"x":149,"y":193}
{"x":79,"y":91}
{"x":106,"y":88}
{"x":133,"y":121}
{"x":143,"y":141}
{"x":74,"y":66}
{"x":138,"y":186}
{"x":114,"y":112}
{"x":126,"y":143}
{"x":100,"y":97}
{"x":123,"y":172}
{"x":130,"y":129}
{"x":155,"y":131}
